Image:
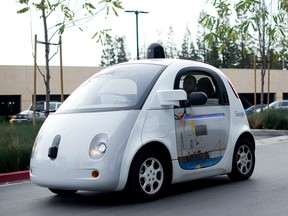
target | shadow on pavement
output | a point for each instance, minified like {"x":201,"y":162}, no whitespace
{"x":96,"y":199}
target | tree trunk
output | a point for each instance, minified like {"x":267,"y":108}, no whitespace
{"x":47,"y":52}
{"x":263,"y":71}
{"x":262,"y":51}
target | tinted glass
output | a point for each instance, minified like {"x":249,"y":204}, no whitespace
{"x":39,"y":107}
{"x":118,"y":87}
{"x":197,"y":81}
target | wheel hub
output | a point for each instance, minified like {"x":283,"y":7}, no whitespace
{"x":244,"y":160}
{"x":151,"y":176}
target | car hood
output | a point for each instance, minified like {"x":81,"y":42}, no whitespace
{"x":76,"y":132}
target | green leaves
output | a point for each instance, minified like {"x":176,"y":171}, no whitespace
{"x":24,"y":1}
{"x":256,"y":19}
{"x":208,"y":21}
{"x":41,"y":6}
{"x":23,"y":10}
{"x":67,"y":14}
{"x":89,"y":7}
{"x":113,"y":4}
{"x":246,"y":6}
{"x":102,"y":36}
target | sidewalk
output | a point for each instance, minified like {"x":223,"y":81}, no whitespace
{"x":270,"y":133}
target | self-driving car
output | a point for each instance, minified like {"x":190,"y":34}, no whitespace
{"x":134,"y":127}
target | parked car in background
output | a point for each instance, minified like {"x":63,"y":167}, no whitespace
{"x":41,"y":108}
{"x":27,"y":115}
{"x":20,"y":117}
{"x":282,"y":104}
{"x":251,"y":109}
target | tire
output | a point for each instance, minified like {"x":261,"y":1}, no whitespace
{"x":148,"y":177}
{"x":243,"y":162}
{"x":63,"y":192}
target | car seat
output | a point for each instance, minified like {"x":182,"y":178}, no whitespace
{"x":204,"y":85}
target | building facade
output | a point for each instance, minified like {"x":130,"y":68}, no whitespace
{"x":17,"y":85}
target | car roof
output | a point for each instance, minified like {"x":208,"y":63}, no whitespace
{"x":176,"y":64}
{"x":278,"y":101}
{"x":166,"y":62}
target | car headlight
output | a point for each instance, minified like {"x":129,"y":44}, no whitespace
{"x":96,"y":152}
{"x":98,"y":146}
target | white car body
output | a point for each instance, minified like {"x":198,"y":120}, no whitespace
{"x":96,"y":141}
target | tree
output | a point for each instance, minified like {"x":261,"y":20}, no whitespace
{"x":283,"y":41}
{"x":143,"y":50}
{"x":229,"y":51}
{"x":185,"y":47}
{"x":201,"y":35}
{"x":245,"y":42}
{"x":231,"y":55}
{"x":194,"y":52}
{"x":265,"y":23}
{"x":67,"y":15}
{"x":171,"y":49}
{"x":213,"y":56}
{"x":114,"y":52}
{"x":188,"y":50}
{"x":122,"y":55}
{"x":108,"y":53}
{"x":275,"y":61}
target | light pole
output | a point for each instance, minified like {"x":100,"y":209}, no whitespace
{"x":137,"y":40}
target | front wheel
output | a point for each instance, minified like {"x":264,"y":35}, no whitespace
{"x":243,"y":162}
{"x":148,"y":177}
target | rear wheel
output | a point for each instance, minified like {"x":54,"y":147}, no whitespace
{"x":243,"y":160}
{"x":148,"y":178}
{"x":63,"y":192}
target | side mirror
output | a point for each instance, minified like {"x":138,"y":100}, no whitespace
{"x":171,"y":97}
{"x":197,"y":98}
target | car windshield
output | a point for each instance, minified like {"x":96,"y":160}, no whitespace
{"x":119,"y":87}
{"x":273,"y":104}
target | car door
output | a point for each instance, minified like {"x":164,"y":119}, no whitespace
{"x":202,"y":131}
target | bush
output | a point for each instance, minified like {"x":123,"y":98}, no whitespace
{"x":271,"y":119}
{"x":4,"y":118}
{"x":255,"y":121}
{"x":276,"y":119}
{"x":16,"y":142}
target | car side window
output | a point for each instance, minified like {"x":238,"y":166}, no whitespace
{"x":198,"y":81}
{"x":52,"y":106}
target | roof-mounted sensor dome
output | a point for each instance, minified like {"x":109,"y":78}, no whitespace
{"x":155,"y":50}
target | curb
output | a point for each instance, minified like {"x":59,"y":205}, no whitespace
{"x":14,"y":176}
{"x":270,"y":132}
